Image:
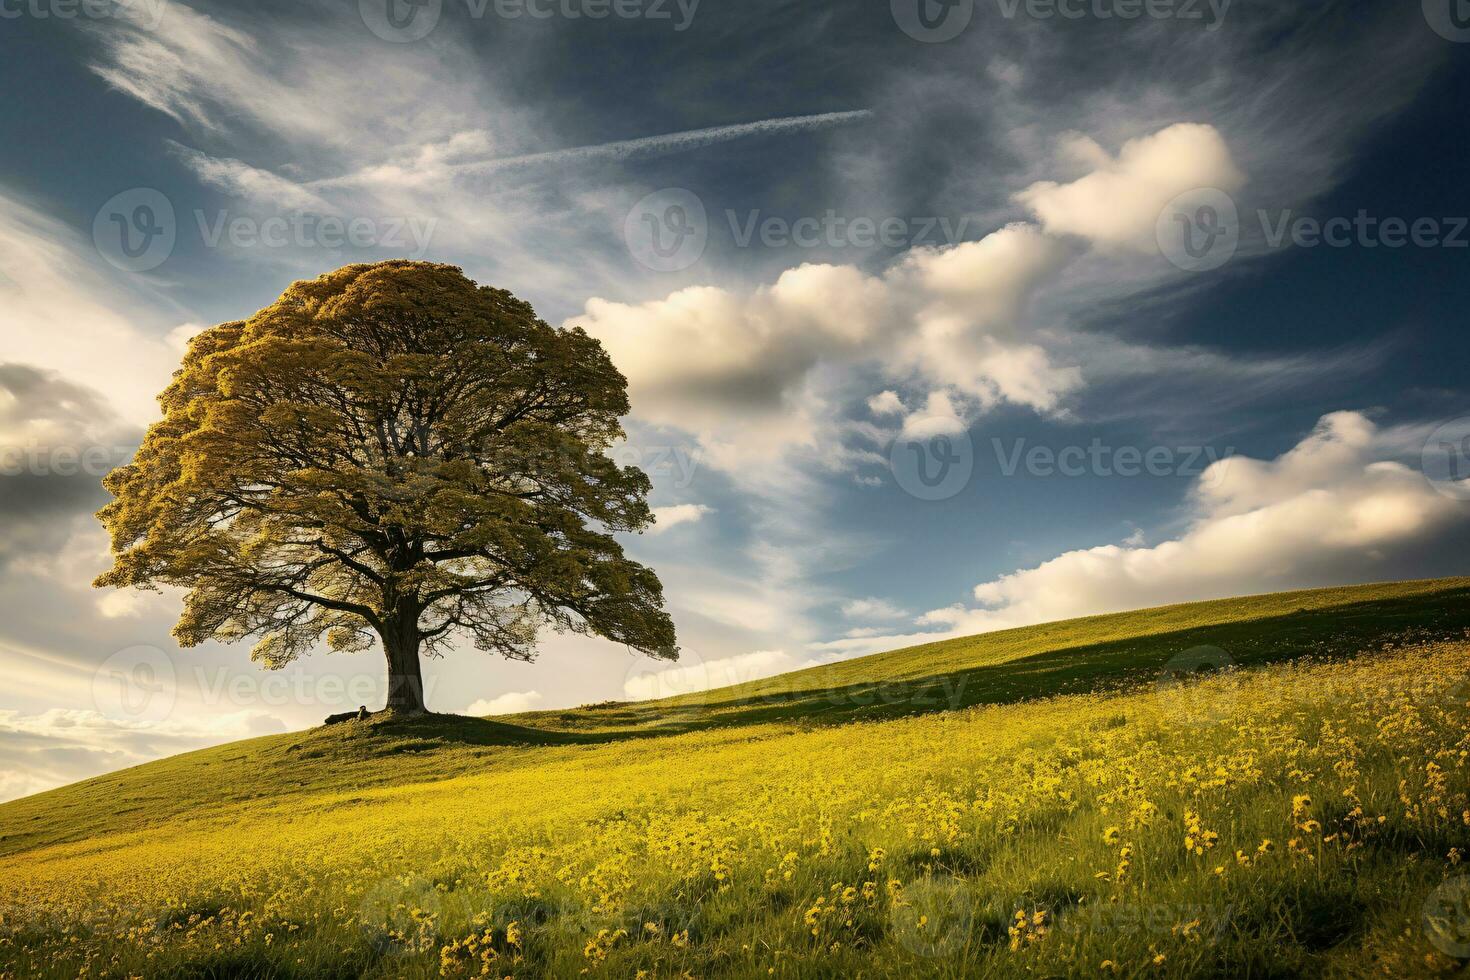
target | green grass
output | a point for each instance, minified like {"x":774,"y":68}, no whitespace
{"x":985,"y":765}
{"x":1068,"y":657}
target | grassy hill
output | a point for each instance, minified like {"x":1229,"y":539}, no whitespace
{"x":889,"y":815}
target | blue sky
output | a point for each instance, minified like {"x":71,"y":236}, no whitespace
{"x":879,"y":247}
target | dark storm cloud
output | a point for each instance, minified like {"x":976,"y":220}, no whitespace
{"x":57,"y":441}
{"x":31,"y":395}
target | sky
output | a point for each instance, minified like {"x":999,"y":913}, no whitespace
{"x":938,"y":318}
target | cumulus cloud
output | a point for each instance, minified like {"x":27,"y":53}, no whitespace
{"x":764,"y":376}
{"x":1339,"y":507}
{"x":758,"y":377}
{"x":666,"y":518}
{"x":939,"y":416}
{"x":885,"y":403}
{"x":510,"y":703}
{"x":959,"y":329}
{"x":946,"y":317}
{"x":1119,"y":202}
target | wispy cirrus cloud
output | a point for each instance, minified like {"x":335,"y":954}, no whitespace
{"x":66,"y":311}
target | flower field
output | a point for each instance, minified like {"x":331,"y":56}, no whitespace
{"x":1309,"y":818}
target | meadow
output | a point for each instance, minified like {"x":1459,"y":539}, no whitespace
{"x":1264,"y":787}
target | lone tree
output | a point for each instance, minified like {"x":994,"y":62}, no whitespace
{"x":394,"y":453}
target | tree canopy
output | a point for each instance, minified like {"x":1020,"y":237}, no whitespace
{"x":390,"y":453}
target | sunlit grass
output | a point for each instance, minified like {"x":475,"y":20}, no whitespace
{"x":1294,"y":819}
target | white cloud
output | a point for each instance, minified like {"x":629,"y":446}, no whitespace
{"x":179,"y":337}
{"x":59,"y":746}
{"x":1335,"y":508}
{"x":691,"y":678}
{"x":938,"y":417}
{"x":871,"y":608}
{"x":252,"y":183}
{"x":644,"y":147}
{"x":947,"y":317}
{"x":760,"y":375}
{"x":122,"y":604}
{"x":1332,"y":452}
{"x":510,"y":703}
{"x":954,"y":322}
{"x":293,"y":81}
{"x":1119,"y":202}
{"x":391,"y":146}
{"x":65,"y":311}
{"x":671,"y":517}
{"x":885,"y":403}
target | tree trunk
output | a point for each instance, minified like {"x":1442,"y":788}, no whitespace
{"x":405,"y":677}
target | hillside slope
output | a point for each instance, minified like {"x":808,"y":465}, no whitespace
{"x":1071,"y":656}
{"x":1084,"y":810}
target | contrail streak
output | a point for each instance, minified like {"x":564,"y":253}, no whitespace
{"x":653,"y":146}
{"x":641,"y":148}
